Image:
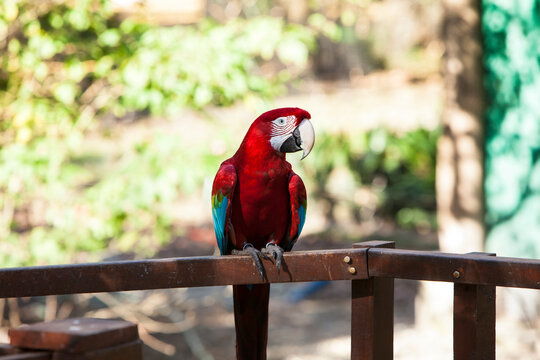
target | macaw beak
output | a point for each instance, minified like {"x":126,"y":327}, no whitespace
{"x":307,"y":137}
{"x":302,"y":138}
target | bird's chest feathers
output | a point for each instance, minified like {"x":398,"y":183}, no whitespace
{"x":264,"y":189}
{"x":264,"y":200}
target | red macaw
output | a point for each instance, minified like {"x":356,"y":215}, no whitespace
{"x":259,"y":208}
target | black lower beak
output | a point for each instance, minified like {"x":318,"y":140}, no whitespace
{"x":292,"y":143}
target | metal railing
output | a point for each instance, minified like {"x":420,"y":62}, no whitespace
{"x":370,"y":266}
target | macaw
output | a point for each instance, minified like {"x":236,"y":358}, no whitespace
{"x":259,"y":208}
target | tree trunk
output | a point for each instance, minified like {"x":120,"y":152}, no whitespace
{"x":460,"y":157}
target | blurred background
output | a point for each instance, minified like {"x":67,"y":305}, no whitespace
{"x":115,"y":116}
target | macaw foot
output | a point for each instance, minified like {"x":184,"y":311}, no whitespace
{"x":255,"y":254}
{"x":276,"y":251}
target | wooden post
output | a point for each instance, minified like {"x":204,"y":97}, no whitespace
{"x":474,"y":321}
{"x":372,"y":314}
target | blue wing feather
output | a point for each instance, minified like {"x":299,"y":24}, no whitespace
{"x":222,"y":194}
{"x":302,"y":216}
{"x":219,"y":215}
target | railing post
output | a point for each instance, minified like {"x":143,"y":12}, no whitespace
{"x":474,"y":320}
{"x":372,"y":314}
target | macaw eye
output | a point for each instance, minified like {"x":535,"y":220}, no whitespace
{"x":281,"y":121}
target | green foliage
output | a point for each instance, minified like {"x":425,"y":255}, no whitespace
{"x":512,"y":54}
{"x":86,"y":202}
{"x":210,"y":65}
{"x":398,"y":170}
{"x":64,"y":64}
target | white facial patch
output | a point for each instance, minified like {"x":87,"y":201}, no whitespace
{"x":277,"y":141}
{"x":280,"y":129}
{"x":282,"y":125}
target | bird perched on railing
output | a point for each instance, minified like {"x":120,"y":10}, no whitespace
{"x":259,"y":208}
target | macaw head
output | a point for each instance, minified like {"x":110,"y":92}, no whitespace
{"x":286,"y":130}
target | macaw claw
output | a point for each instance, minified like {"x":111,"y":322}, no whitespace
{"x":277,"y":253}
{"x":255,"y":254}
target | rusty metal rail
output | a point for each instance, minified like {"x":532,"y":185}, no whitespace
{"x":370,"y":266}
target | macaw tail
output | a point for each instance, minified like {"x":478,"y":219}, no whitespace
{"x":251,"y":320}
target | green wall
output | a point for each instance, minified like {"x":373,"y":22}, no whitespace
{"x":512,"y":185}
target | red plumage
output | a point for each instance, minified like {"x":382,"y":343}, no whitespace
{"x":265,"y":204}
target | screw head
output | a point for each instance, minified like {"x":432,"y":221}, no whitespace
{"x":456,"y":274}
{"x":347,"y":260}
{"x":352,"y":270}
